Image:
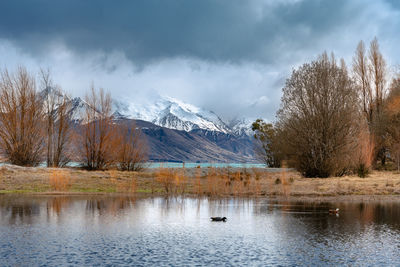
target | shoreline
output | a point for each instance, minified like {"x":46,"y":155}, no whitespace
{"x":198,"y":182}
{"x":304,"y":199}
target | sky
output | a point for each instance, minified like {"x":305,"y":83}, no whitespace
{"x":228,"y":56}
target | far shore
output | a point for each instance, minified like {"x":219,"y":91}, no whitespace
{"x":278,"y":198}
{"x":199,"y":182}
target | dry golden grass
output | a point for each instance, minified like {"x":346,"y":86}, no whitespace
{"x":197,"y":181}
{"x":122,"y":185}
{"x":166,"y":177}
{"x":59,"y":180}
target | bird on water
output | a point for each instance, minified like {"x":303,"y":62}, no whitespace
{"x":218,"y":219}
{"x":335,"y":211}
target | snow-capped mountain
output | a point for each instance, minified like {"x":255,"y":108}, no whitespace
{"x":241,"y":126}
{"x":172,"y":113}
{"x":52,"y":96}
{"x":187,"y":133}
{"x":165,"y":112}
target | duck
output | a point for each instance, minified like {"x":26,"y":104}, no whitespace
{"x":335,"y":211}
{"x":218,"y":219}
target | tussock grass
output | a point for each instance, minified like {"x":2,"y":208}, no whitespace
{"x":213,"y":182}
{"x":59,"y":181}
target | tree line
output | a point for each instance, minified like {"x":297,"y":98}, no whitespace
{"x":335,"y":121}
{"x":37,"y":125}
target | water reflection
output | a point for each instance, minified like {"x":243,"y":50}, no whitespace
{"x":109,"y":206}
{"x":117,"y":230}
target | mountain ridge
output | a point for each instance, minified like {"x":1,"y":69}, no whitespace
{"x":180,"y":132}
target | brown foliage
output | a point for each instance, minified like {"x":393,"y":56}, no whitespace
{"x":166,"y":177}
{"x":268,"y":143}
{"x":125,"y":186}
{"x":57,"y":120}
{"x":393,"y":120}
{"x":370,"y":74}
{"x":361,"y":73}
{"x":98,"y":135}
{"x":21,"y":131}
{"x":59,"y":181}
{"x":130,"y":149}
{"x":318,"y":118}
{"x":365,"y":149}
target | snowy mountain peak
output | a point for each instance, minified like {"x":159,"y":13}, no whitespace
{"x":165,"y":112}
{"x":241,"y":126}
{"x":52,"y":98}
{"x":172,"y":113}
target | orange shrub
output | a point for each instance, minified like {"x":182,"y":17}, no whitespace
{"x":59,"y":181}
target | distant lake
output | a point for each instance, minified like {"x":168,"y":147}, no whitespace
{"x":124,"y":231}
{"x":153,"y":165}
{"x":203,"y":165}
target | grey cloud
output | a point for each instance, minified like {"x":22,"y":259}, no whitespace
{"x":199,"y":51}
{"x":148,"y":30}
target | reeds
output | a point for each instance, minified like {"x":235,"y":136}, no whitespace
{"x":366,"y":154}
{"x":127,"y":185}
{"x":180,"y":181}
{"x":59,"y":181}
{"x":211,"y":181}
{"x":225,"y":181}
{"x":166,"y":177}
{"x":257,"y":181}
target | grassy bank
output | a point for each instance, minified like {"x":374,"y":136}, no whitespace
{"x":195,"y":181}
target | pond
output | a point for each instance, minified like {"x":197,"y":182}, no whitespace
{"x":126,"y":231}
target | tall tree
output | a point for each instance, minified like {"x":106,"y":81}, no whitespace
{"x":378,"y":74}
{"x":131,"y":152}
{"x":318,"y":118}
{"x":58,"y":118}
{"x":370,"y":74}
{"x":362,"y":78}
{"x":97,"y":142}
{"x":21,"y":118}
{"x":392,"y":112}
{"x":268,"y":147}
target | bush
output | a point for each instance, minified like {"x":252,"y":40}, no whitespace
{"x":318,"y":119}
{"x":362,"y":170}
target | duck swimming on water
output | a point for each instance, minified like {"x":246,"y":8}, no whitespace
{"x":335,"y":211}
{"x":218,"y":219}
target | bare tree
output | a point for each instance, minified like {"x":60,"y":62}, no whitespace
{"x":370,"y":73}
{"x":378,"y":77}
{"x":378,"y":74}
{"x":132,"y":151}
{"x":57,"y":106}
{"x":21,"y":118}
{"x":362,"y":78}
{"x":98,"y":135}
{"x":392,"y":113}
{"x":318,"y":118}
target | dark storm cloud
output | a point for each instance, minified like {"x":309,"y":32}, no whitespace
{"x":148,"y":30}
{"x":199,"y":51}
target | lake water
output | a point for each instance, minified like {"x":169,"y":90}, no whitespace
{"x":118,"y":231}
{"x":205,"y":165}
{"x":154,"y":165}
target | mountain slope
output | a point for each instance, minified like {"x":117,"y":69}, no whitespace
{"x":195,"y":146}
{"x":241,"y":126}
{"x":175,"y":131}
{"x":165,"y":112}
{"x":171,"y":113}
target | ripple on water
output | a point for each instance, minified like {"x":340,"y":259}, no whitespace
{"x":178,"y":232}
